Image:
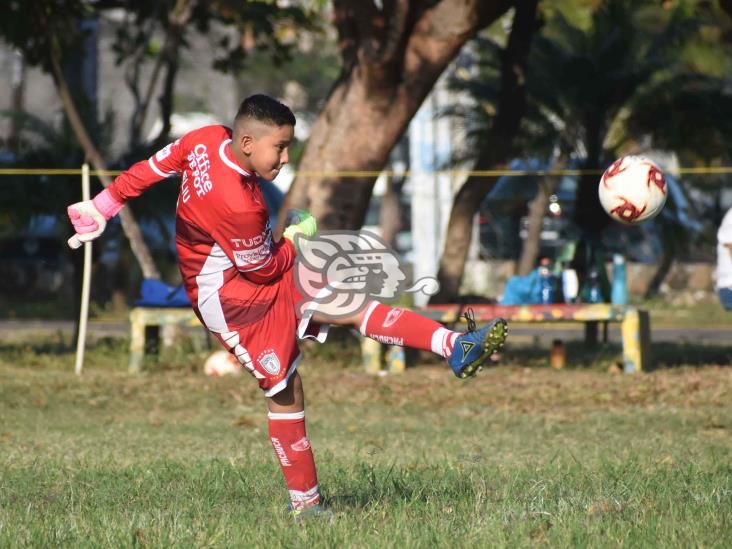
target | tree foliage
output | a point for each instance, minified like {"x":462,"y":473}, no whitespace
{"x":50,"y":33}
{"x":604,"y":79}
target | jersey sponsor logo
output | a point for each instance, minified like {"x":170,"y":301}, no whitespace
{"x":301,"y":445}
{"x":199,"y":165}
{"x":248,"y":252}
{"x":245,"y":258}
{"x":392,"y":317}
{"x":185,"y":192}
{"x":280,"y":451}
{"x":239,"y":243}
{"x":268,"y":360}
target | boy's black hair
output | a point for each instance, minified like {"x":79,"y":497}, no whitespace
{"x":265,"y":109}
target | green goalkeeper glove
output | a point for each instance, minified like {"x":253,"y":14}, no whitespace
{"x":300,"y":222}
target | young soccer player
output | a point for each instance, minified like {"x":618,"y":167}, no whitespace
{"x":241,"y":283}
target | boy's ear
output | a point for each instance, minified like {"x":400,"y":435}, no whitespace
{"x":245,"y":143}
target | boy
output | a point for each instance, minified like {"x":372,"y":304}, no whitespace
{"x":241,"y":283}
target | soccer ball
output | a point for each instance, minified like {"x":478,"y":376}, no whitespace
{"x":221,"y":363}
{"x":632,"y":189}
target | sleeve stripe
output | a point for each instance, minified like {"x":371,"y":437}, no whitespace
{"x":158,"y":171}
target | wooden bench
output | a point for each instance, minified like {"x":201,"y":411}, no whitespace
{"x":635,"y":329}
{"x":634,"y":323}
{"x":145,"y":324}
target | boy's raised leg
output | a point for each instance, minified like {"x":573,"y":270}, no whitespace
{"x":465,"y":352}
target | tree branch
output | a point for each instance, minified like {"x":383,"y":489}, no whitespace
{"x":347,"y":33}
{"x":178,"y":17}
{"x":129,"y":225}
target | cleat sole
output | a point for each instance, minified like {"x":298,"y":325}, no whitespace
{"x":493,"y":342}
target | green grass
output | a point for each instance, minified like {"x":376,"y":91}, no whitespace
{"x":520,"y":456}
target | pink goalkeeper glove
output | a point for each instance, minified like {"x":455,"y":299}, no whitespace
{"x":89,"y":217}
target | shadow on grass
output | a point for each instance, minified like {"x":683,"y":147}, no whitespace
{"x":55,"y":348}
{"x":58,"y":345}
{"x":343,"y":349}
{"x":602,"y":356}
{"x":671,"y":355}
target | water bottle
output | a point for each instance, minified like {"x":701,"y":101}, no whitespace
{"x":619,"y":290}
{"x":546,"y":281}
{"x":570,"y":285}
{"x":594,"y":292}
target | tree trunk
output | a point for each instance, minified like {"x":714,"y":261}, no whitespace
{"x":726,"y":5}
{"x":132,"y":76}
{"x":18,"y":88}
{"x":537,"y":210}
{"x":496,"y":148}
{"x":166,"y":97}
{"x":589,"y":215}
{"x":534,"y":222}
{"x":178,"y":18}
{"x":129,"y":225}
{"x":390,"y":214}
{"x":392,"y":57}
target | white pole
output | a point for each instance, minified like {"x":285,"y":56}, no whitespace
{"x":86,"y":281}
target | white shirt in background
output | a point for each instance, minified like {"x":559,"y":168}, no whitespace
{"x":724,"y":255}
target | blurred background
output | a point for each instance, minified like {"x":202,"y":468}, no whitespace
{"x":388,"y":137}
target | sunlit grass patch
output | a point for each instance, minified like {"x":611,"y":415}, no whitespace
{"x":521,"y":455}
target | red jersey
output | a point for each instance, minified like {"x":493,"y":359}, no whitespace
{"x":231,"y":268}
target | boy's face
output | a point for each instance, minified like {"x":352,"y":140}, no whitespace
{"x":265,"y":148}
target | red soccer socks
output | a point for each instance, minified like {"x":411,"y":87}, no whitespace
{"x":395,"y":326}
{"x":292,"y":447}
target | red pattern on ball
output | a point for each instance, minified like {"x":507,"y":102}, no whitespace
{"x":627,"y":211}
{"x":614,"y":169}
{"x":655,"y":177}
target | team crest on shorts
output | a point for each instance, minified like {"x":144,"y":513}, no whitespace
{"x":269,"y":361}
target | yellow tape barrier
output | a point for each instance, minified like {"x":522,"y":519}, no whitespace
{"x":452,"y":173}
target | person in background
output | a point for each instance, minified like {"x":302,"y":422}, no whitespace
{"x":724,"y":261}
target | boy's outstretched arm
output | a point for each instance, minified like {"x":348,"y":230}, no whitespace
{"x":90,"y":217}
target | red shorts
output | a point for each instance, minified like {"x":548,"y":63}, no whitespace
{"x":267,"y":348}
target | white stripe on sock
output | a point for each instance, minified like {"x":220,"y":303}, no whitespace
{"x":298,"y":495}
{"x":445,"y":351}
{"x":279,"y":415}
{"x":438,"y":341}
{"x":366,"y":317}
{"x":451,"y":338}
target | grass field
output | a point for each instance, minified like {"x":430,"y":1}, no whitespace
{"x":520,"y":456}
